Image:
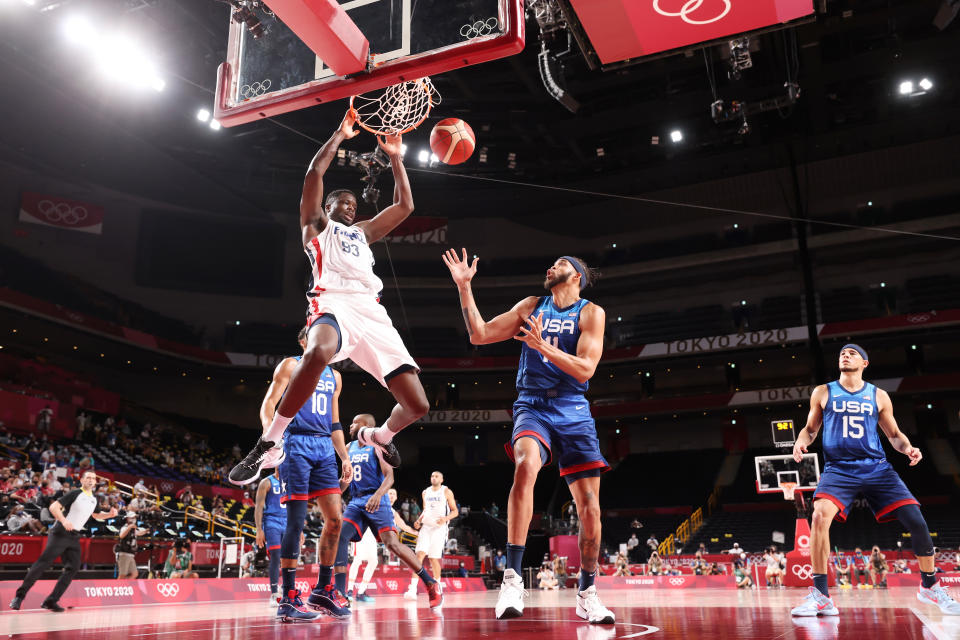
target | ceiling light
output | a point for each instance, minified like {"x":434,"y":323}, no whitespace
{"x":215,"y":125}
{"x":203,"y":115}
{"x":423,"y":156}
{"x":77,"y":29}
{"x":676,"y":135}
{"x":926,"y":84}
{"x":906,"y":87}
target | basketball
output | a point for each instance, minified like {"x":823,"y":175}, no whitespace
{"x":452,"y":140}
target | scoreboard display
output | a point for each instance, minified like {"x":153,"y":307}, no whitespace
{"x":783,"y":435}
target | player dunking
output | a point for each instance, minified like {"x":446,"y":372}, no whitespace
{"x":562,"y":344}
{"x":270,"y":516}
{"x":309,"y":471}
{"x":345,"y":319}
{"x":849,"y":410}
{"x":370,"y":508}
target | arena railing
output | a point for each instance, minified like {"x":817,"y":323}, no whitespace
{"x":688,"y":527}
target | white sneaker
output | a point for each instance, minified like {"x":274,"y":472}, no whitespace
{"x":273,"y":600}
{"x":815,"y":604}
{"x":512,"y":593}
{"x":411,"y":592}
{"x":938,"y":595}
{"x":591,"y":609}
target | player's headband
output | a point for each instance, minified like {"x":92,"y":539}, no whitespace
{"x":857,"y":348}
{"x":579,"y":268}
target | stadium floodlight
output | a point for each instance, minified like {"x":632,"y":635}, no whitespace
{"x":423,"y":156}
{"x":215,"y":125}
{"x":203,"y":115}
{"x":78,"y":30}
{"x":926,"y":84}
{"x":906,"y":87}
{"x":676,"y":135}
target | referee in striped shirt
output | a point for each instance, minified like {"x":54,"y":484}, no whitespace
{"x":72,"y":512}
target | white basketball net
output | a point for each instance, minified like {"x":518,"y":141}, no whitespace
{"x":400,"y":108}
{"x":788,"y":489}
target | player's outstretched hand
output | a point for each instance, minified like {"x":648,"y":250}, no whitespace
{"x":462,"y":271}
{"x":392,"y":145}
{"x":798,"y":451}
{"x":914,"y":454}
{"x":346,"y":127}
{"x":534,"y":335}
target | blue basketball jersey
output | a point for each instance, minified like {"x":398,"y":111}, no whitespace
{"x":367,"y":474}
{"x":272,"y":507}
{"x":316,"y":415}
{"x":850,"y":424}
{"x":561,"y":328}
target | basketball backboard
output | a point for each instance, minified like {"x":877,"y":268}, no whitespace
{"x":772,"y":471}
{"x":276,"y":72}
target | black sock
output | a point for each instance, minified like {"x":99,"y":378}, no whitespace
{"x":340,"y":579}
{"x":289,"y":580}
{"x":928,"y":579}
{"x":587,"y":579}
{"x":426,"y":577}
{"x":324,"y":574}
{"x":820,"y":582}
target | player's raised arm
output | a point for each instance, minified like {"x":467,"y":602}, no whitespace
{"x":898,"y":439}
{"x":281,"y":376}
{"x":814,"y":421}
{"x":504,"y":326}
{"x":388,"y":219}
{"x":312,"y":218}
{"x":593,"y":320}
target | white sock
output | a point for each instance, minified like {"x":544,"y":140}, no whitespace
{"x":383,"y":434}
{"x":277,"y":427}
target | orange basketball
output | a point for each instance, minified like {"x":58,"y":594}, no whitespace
{"x":452,"y":140}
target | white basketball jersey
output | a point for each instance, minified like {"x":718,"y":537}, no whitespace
{"x":434,"y":506}
{"x":340,"y":262}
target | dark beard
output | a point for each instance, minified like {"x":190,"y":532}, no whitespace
{"x":848,"y":370}
{"x":549,"y":284}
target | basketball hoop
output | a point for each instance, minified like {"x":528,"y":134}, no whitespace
{"x":788,"y":489}
{"x":398,"y":109}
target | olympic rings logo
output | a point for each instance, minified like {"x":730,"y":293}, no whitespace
{"x":255,"y":89}
{"x":917,"y":318}
{"x":480,"y":28}
{"x":677,"y":581}
{"x":690,"y":6}
{"x":393,"y":585}
{"x":168,"y":589}
{"x":303,"y":586}
{"x":62,"y":212}
{"x":803,"y":571}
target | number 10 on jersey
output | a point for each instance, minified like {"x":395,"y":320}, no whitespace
{"x":318,"y":405}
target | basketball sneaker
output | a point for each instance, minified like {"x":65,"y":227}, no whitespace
{"x":938,"y":595}
{"x":815,"y":604}
{"x":435,"y":591}
{"x":591,"y":609}
{"x":329,"y":600}
{"x":512,"y":593}
{"x":291,"y":609}
{"x":274,"y":600}
{"x":411,"y":592}
{"x":265,"y":455}
{"x":16,"y":603}
{"x":389,"y":451}
{"x":363,"y":597}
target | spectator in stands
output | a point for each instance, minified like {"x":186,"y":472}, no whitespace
{"x":140,"y":487}
{"x":860,"y":569}
{"x":715,"y":570}
{"x":494,"y":510}
{"x":180,"y":561}
{"x":900,"y":566}
{"x":414,"y":510}
{"x":741,"y":575}
{"x":19,"y":521}
{"x":655,"y":564}
{"x":841,"y":565}
{"x":85,"y":463}
{"x":878,"y":567}
{"x":44,"y":419}
{"x":623,"y":568}
{"x":499,"y":565}
{"x":185,"y":495}
{"x":636,"y":524}
{"x":247,"y":501}
{"x":462,"y":570}
{"x":653,"y":543}
{"x":632,"y":543}
{"x":546,"y":578}
{"x":560,"y":570}
{"x":735,"y":549}
{"x":5,"y":437}
{"x":700,"y":566}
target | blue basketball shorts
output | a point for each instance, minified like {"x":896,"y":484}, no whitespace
{"x":273,"y":531}
{"x":310,"y":468}
{"x":842,"y":482}
{"x":565,"y":430}
{"x":358,"y":518}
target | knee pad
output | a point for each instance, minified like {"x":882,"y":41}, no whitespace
{"x":290,"y":544}
{"x":911,"y":518}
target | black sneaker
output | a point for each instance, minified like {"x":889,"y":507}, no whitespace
{"x":263,"y":456}
{"x":389,"y":451}
{"x":52,"y":606}
{"x":15,"y":603}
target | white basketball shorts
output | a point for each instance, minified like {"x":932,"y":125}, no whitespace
{"x":431,"y":541}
